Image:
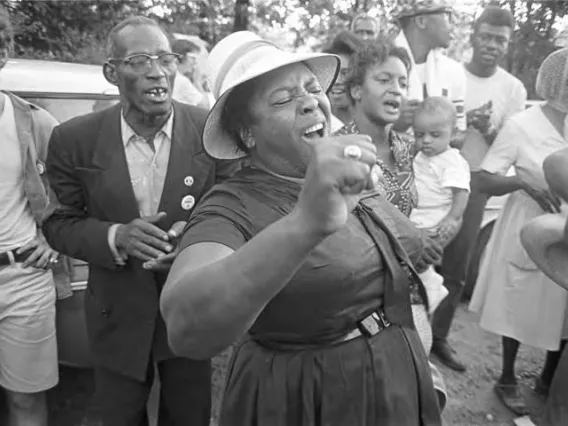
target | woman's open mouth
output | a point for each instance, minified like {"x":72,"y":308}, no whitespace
{"x":392,"y":106}
{"x":316,"y":131}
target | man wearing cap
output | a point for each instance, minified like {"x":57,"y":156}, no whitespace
{"x":127,"y":178}
{"x":492,"y":96}
{"x":28,"y":345}
{"x":425,"y":30}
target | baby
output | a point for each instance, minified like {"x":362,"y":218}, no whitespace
{"x":442,"y":181}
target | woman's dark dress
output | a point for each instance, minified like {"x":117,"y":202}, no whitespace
{"x":288,"y":372}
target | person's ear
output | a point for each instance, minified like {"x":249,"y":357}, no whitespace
{"x":356,"y":92}
{"x":247,"y":138}
{"x":109,"y":71}
{"x":421,"y":21}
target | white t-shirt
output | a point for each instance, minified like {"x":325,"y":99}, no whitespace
{"x":448,"y":82}
{"x":17,"y":224}
{"x":435,"y":177}
{"x":508,"y":96}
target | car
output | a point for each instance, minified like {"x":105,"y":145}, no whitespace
{"x":65,"y":90}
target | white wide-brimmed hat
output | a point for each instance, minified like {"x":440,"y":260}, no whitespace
{"x":238,"y":58}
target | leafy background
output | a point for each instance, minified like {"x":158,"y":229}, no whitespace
{"x":76,"y":31}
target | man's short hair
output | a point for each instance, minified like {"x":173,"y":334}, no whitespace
{"x":438,"y":105}
{"x":183,"y":47}
{"x":495,"y":16}
{"x":6,"y":31}
{"x":132,"y":21}
{"x":345,"y":43}
{"x":365,"y":17}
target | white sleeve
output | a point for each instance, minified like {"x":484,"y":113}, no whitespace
{"x":118,"y":258}
{"x":516,"y":103}
{"x":503,"y":152}
{"x":455,"y":171}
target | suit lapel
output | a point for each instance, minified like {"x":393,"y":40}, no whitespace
{"x":182,"y":154}
{"x":109,"y":156}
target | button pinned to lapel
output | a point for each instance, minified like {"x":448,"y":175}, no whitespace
{"x":40,"y":168}
{"x":187,"y":202}
{"x":188,"y":181}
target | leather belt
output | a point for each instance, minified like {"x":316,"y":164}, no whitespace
{"x":11,"y":256}
{"x":369,"y":326}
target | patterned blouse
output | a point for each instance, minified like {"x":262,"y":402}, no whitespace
{"x":397,"y":185}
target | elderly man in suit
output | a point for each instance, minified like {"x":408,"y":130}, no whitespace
{"x":127,"y":178}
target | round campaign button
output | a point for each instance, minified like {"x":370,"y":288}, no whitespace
{"x":188,"y":181}
{"x":187,"y":202}
{"x":40,"y":168}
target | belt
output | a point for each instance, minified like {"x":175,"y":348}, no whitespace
{"x":10,"y":256}
{"x":369,"y":326}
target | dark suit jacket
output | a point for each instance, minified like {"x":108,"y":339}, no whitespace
{"x":87,"y":169}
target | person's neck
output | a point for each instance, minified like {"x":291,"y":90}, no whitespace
{"x":418,"y":46}
{"x":256,"y":163}
{"x":345,"y":115}
{"x":379,"y":133}
{"x":479,"y":70}
{"x":144,"y":125}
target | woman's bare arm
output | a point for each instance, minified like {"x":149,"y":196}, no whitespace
{"x":213,"y":295}
{"x":496,"y":185}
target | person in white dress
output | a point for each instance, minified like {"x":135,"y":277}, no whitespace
{"x":513,"y":297}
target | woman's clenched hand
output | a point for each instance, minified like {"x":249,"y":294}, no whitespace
{"x":334,"y":182}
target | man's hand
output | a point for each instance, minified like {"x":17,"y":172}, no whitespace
{"x":431,"y":254}
{"x":42,"y":256}
{"x":142,"y":239}
{"x":164,"y":263}
{"x":480,"y":118}
{"x":547,"y":201}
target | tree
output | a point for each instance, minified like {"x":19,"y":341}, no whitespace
{"x":241,"y":15}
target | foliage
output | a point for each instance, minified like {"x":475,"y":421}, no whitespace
{"x":76,"y":30}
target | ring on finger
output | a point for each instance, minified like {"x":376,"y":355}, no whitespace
{"x":352,"y":152}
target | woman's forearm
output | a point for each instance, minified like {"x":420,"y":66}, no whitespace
{"x":496,"y":185}
{"x":207,"y":308}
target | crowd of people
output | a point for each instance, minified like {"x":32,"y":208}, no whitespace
{"x":318,"y":211}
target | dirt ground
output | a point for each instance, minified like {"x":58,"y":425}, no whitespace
{"x":471,"y":400}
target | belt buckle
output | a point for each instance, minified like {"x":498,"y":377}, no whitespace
{"x":374,"y":323}
{"x":381,"y":318}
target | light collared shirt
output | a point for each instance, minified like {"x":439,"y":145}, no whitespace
{"x":147,"y":169}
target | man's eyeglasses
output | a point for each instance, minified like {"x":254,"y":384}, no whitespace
{"x":141,"y":63}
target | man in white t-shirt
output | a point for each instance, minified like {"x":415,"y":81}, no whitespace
{"x":28,"y":345}
{"x":492,"y":96}
{"x":425,"y":29}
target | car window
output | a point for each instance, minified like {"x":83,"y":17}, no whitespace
{"x":64,"y":109}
